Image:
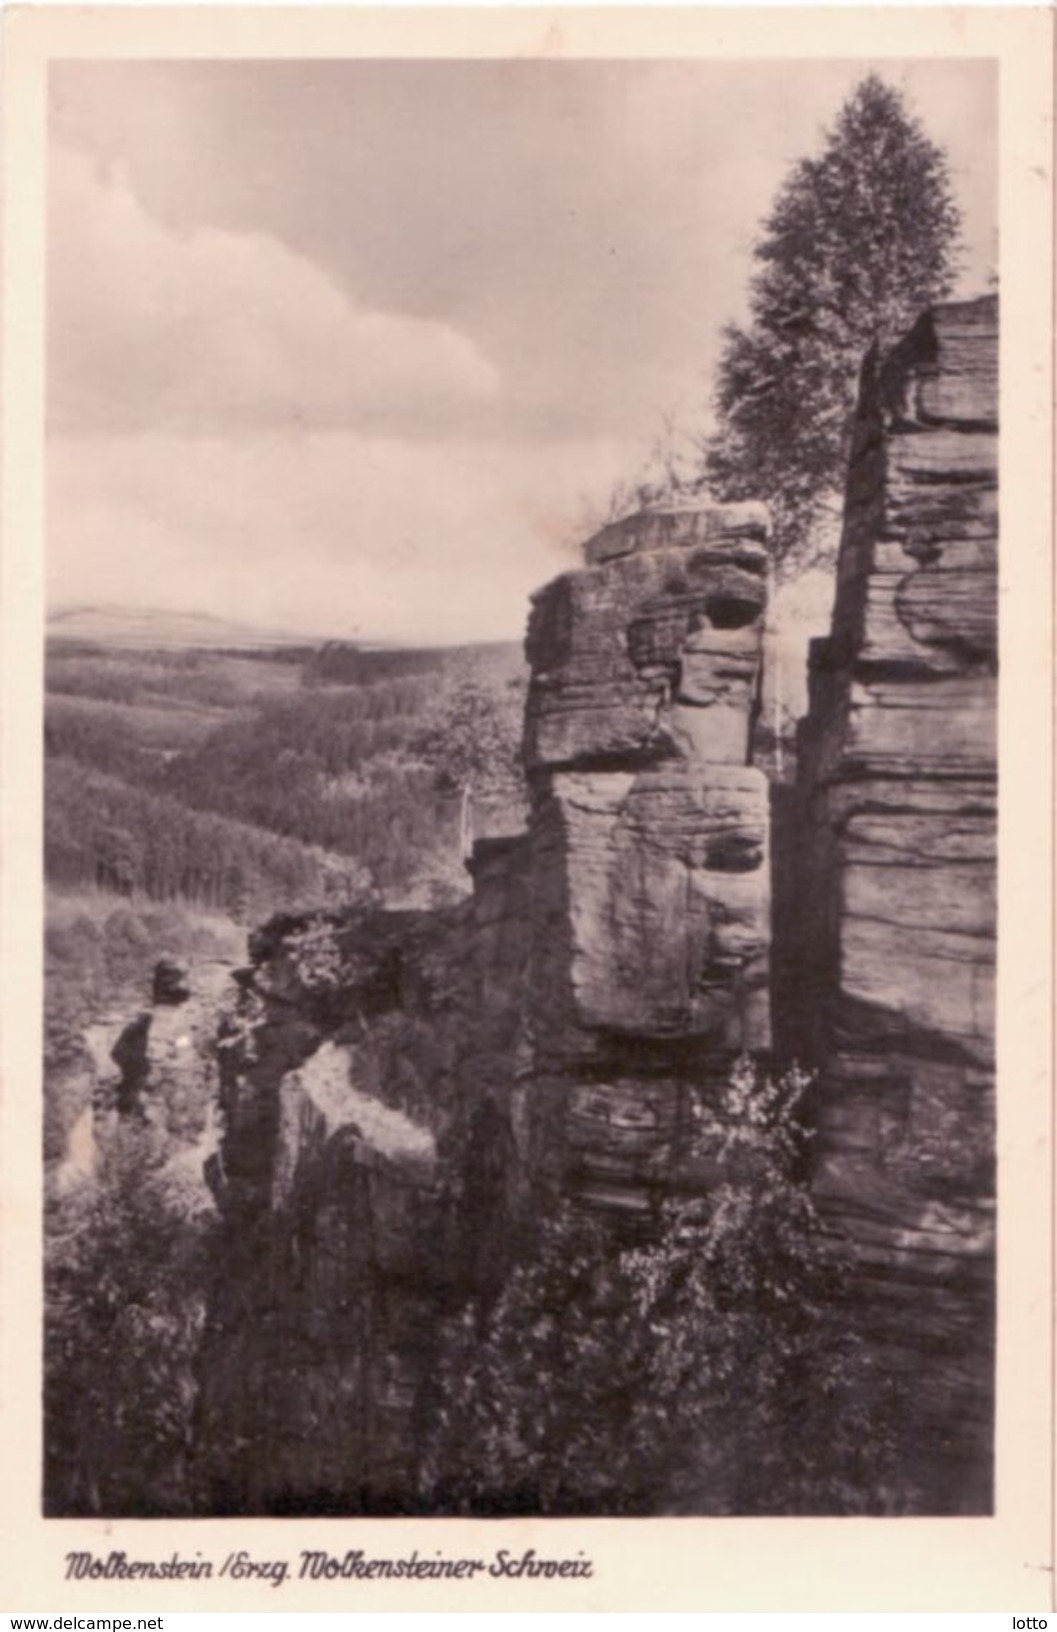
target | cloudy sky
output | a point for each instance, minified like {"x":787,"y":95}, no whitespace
{"x":350,"y":347}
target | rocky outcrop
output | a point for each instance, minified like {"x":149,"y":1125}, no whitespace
{"x":401,"y":1093}
{"x":163,"y":1072}
{"x":893,"y":921}
{"x":653,"y":651}
{"x":338,"y":1100}
{"x":157,"y":1072}
{"x":645,"y":874}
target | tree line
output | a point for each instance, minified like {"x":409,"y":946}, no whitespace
{"x":299,"y":793}
{"x":103,"y":832}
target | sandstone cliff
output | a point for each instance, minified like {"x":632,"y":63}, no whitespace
{"x":646,"y":865}
{"x":892,"y":928}
{"x":403,"y":1092}
{"x":336,"y":1096}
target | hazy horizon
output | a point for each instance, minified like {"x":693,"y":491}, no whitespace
{"x":347,"y":348}
{"x":262,"y":634}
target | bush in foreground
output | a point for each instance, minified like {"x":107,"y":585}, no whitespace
{"x":711,"y":1370}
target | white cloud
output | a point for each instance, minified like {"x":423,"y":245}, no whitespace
{"x":229,"y":265}
{"x":212,"y":329}
{"x":325,"y":532}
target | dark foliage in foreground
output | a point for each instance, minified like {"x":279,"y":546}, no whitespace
{"x":126,"y":1273}
{"x":714,"y":1370}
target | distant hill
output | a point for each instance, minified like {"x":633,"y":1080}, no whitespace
{"x":134,"y":627}
{"x":341,"y":663}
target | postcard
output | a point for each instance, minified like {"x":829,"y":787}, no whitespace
{"x":528,"y":801}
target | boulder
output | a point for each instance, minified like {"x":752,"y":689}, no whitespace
{"x":170,"y":983}
{"x":666,"y":621}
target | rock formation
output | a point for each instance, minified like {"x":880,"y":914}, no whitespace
{"x":156,"y":1070}
{"x":165,"y":1074}
{"x":893,"y":927}
{"x":647,"y":870}
{"x":401,"y":1092}
{"x":336,"y":1094}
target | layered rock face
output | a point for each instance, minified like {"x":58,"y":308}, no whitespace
{"x":333,"y":1181}
{"x":653,"y":651}
{"x":402,"y":1092}
{"x":893,"y":922}
{"x":646,"y":866}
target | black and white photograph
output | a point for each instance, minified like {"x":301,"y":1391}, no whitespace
{"x":520,"y":582}
{"x":520,"y":788}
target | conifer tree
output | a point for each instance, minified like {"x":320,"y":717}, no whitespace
{"x":859,"y":241}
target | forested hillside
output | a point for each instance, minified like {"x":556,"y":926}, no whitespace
{"x":249,"y":781}
{"x":191,"y":794}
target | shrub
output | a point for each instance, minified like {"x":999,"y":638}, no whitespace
{"x":125,"y":1272}
{"x":711,"y":1369}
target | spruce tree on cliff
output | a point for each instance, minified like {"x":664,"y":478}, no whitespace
{"x":859,"y":241}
